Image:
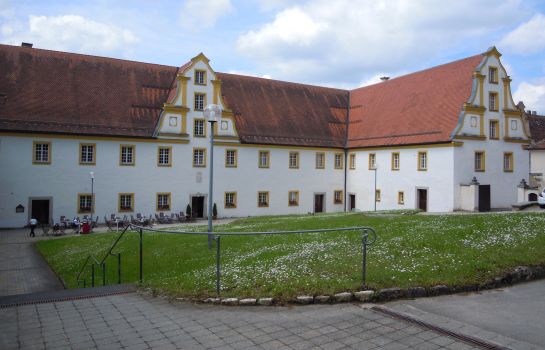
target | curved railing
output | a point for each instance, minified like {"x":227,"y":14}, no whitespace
{"x":369,"y":236}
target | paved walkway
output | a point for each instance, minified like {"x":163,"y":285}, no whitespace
{"x":133,"y":321}
{"x":514,"y":316}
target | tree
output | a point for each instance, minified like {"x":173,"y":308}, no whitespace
{"x":188,"y":211}
{"x":214,"y":211}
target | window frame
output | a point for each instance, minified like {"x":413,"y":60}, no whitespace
{"x":195,"y":120}
{"x":493,"y":75}
{"x":119,"y":208}
{"x":94,"y":153}
{"x":341,"y":197}
{"x":319,"y":155}
{"x":259,"y":204}
{"x":377,"y":195}
{"x":496,"y":129}
{"x":195,"y":81}
{"x":401,"y":197}
{"x":394,"y":167}
{"x":235,"y":158}
{"x":133,"y":155}
{"x":195,"y":165}
{"x":372,"y":164}
{"x":195,"y":94}
{"x":419,"y":163}
{"x":352,"y":161}
{"x":79,"y":208}
{"x":268,"y":165}
{"x":296,"y":158}
{"x":511,"y":167}
{"x":496,"y":102}
{"x":169,"y":198}
{"x":159,"y":148}
{"x":225,"y":206}
{"x":339,"y":156}
{"x":482,"y":168}
{"x":49,"y":153}
{"x":296,"y":203}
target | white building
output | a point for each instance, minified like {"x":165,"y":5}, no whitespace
{"x":280,"y":147}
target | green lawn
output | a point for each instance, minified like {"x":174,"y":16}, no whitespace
{"x":411,"y":250}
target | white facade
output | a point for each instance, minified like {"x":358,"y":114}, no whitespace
{"x":449,"y":166}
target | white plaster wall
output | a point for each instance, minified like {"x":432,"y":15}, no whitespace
{"x":468,"y":198}
{"x":437,"y":179}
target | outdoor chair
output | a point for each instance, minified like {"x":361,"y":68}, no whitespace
{"x":45,"y":230}
{"x":108,"y":223}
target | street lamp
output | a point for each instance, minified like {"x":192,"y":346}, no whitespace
{"x":92,"y":176}
{"x":212,"y":113}
{"x":375,"y":167}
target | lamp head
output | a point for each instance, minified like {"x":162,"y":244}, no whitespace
{"x":92,"y":175}
{"x":212,"y":112}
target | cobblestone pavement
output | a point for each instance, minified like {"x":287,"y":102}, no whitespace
{"x":22,"y":269}
{"x":135,"y":322}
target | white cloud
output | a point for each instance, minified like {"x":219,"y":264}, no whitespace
{"x":527,"y":38}
{"x":344,"y":40}
{"x":71,"y":32}
{"x":249,"y":74}
{"x":532,"y":94}
{"x":203,"y":14}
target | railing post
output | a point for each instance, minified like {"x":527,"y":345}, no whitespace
{"x":118,"y":268}
{"x":218,"y":262}
{"x":141,"y":262}
{"x":364,"y":256}
{"x":93,"y":275}
{"x":103,"y":273}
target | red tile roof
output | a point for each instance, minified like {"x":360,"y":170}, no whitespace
{"x":537,"y":130}
{"x":417,"y":108}
{"x":58,"y":92}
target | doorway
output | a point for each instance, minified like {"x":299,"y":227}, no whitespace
{"x":422,"y":199}
{"x":319,"y":203}
{"x":352,"y":202}
{"x":197,"y":206}
{"x":484,"y":197}
{"x":39,"y":210}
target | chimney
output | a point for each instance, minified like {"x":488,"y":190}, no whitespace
{"x":29,"y":45}
{"x":384,"y":78}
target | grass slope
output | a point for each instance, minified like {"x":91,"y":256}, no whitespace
{"x":412,"y":250}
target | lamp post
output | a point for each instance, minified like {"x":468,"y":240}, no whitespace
{"x":92,"y":176}
{"x":375,"y":169}
{"x":212,"y":113}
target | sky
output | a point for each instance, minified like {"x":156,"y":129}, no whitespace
{"x":340,"y":43}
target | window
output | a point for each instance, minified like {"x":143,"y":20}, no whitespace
{"x":294,"y":160}
{"x":338,"y":197}
{"x":353,"y":161}
{"x":262,"y":199}
{"x":199,"y":101}
{"x":494,"y":130}
{"x":199,"y":157}
{"x":231,"y":158}
{"x":87,"y":153}
{"x":372,"y":161}
{"x":164,"y":156}
{"x":163,"y":201}
{"x":479,"y":161}
{"x":200,"y":77}
{"x":422,"y":161}
{"x":263,"y":159}
{"x":339,"y":161}
{"x":493,"y":75}
{"x":400,"y":197}
{"x":395,"y":161}
{"x":293,"y":198}
{"x":41,"y":153}
{"x":493,"y":101}
{"x":320,"y":160}
{"x":85,"y":203}
{"x":230,"y":200}
{"x":126,"y":201}
{"x":508,"y":162}
{"x":199,"y":128}
{"x":377,"y":195}
{"x":126,"y":155}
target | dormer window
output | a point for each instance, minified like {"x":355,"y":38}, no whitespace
{"x":200,"y":77}
{"x":493,"y":75}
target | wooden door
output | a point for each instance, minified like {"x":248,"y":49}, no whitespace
{"x":352,"y":202}
{"x":318,"y":203}
{"x":484,"y":197}
{"x":197,"y":207}
{"x":422,"y":199}
{"x":40,"y":210}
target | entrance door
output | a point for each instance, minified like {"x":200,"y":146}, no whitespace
{"x":352,"y":202}
{"x":40,"y":210}
{"x":422,"y":198}
{"x":484,"y":197}
{"x":197,"y":206}
{"x":318,"y":203}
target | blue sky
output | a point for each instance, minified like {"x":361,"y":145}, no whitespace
{"x":342,"y":43}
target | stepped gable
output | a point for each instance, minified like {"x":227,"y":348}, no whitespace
{"x":58,"y":92}
{"x":417,"y":108}
{"x":282,"y":113}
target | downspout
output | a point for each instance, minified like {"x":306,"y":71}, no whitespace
{"x":346,"y":165}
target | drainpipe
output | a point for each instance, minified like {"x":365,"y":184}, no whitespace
{"x":345,"y":176}
{"x":346,"y":165}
